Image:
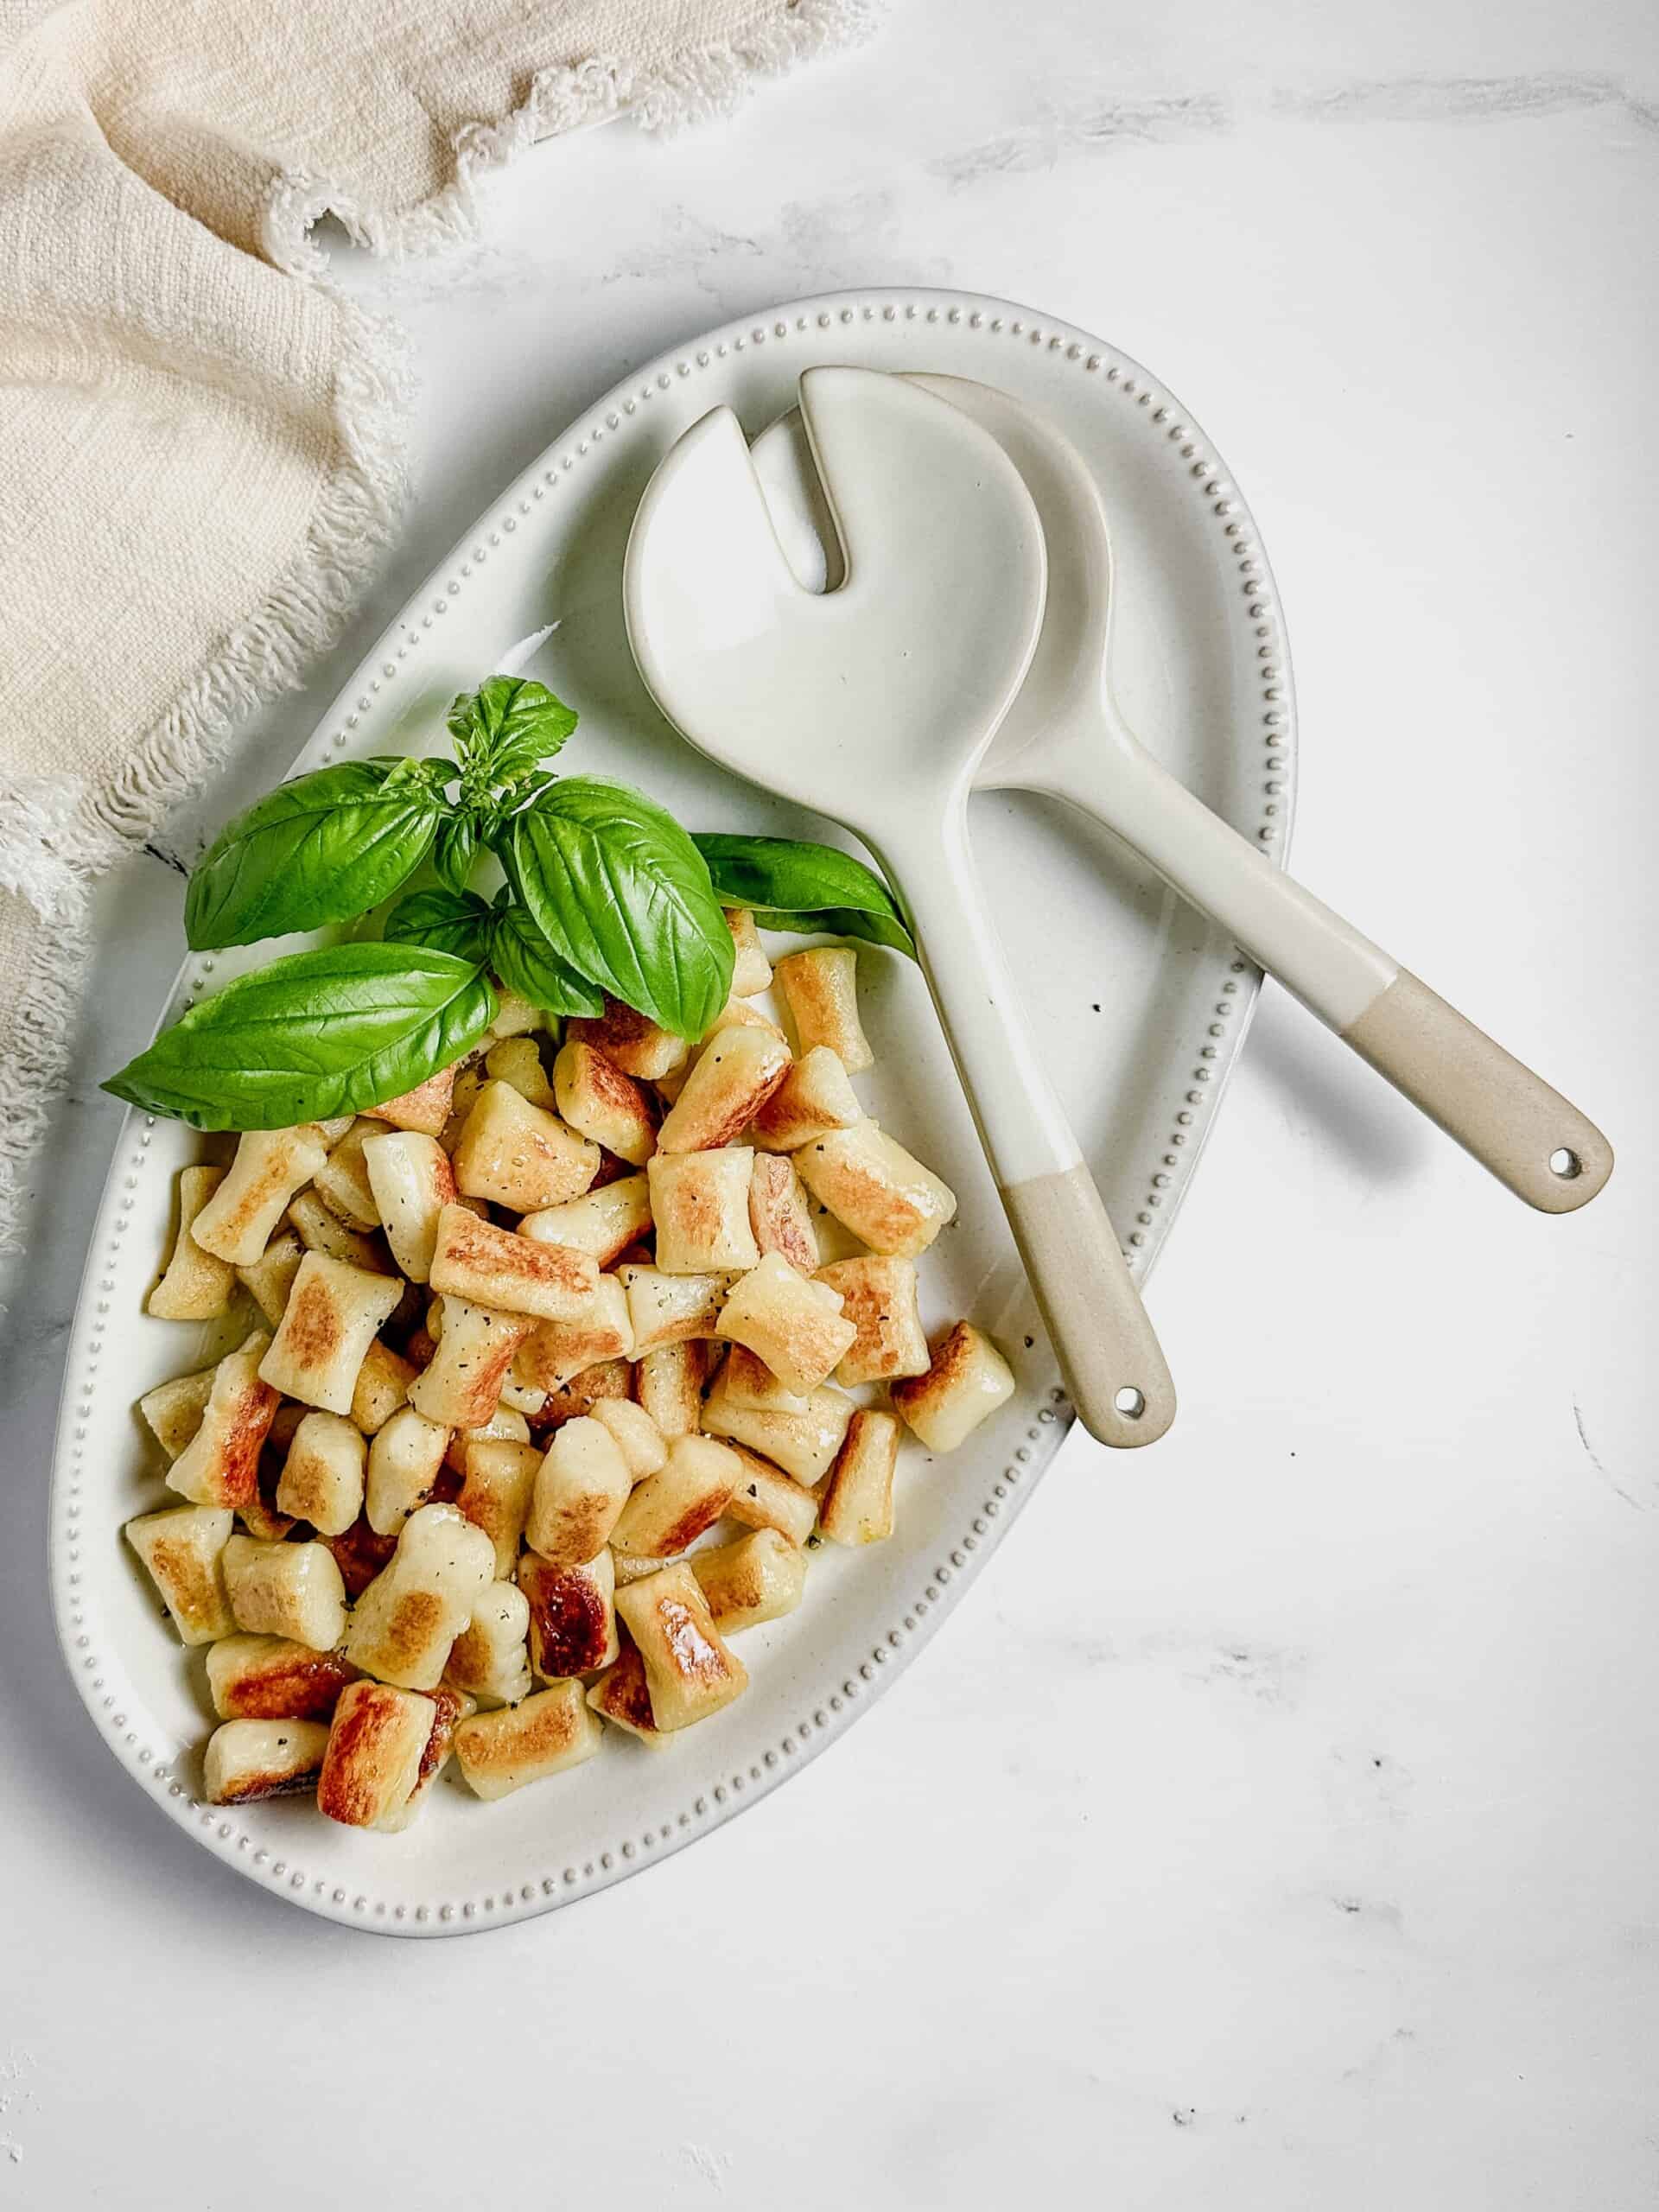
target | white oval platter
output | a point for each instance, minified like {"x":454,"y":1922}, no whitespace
{"x":1141,"y":1006}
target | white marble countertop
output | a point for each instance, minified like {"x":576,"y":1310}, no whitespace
{"x":1274,"y":1828}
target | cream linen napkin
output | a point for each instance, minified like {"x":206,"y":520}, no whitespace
{"x":200,"y":443}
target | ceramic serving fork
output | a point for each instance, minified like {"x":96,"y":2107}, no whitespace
{"x":1064,"y":735}
{"x":872,"y":704}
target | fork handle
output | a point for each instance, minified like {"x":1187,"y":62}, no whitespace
{"x":1531,"y":1138}
{"x":1112,"y":1365}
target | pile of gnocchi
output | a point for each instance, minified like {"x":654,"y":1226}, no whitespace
{"x":552,"y":1395}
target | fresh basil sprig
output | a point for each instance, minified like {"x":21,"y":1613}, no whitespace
{"x":790,"y":884}
{"x":624,"y":897}
{"x":605,"y":895}
{"x":315,"y":1034}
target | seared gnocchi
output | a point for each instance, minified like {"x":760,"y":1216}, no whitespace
{"x":549,"y":1392}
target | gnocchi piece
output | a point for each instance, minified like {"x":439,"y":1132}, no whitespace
{"x":792,"y":1322}
{"x":700,"y":1203}
{"x":665,"y":1309}
{"x":517,"y":1016}
{"x":343,"y":1181}
{"x":507,"y":1425}
{"x":461,"y":1386}
{"x":246,"y":1760}
{"x":738,"y":1014}
{"x":220,"y":1463}
{"x":195,"y":1286}
{"x":643,"y":1445}
{"x":887,"y":1197}
{"x":520,"y":1155}
{"x":606,"y":1378}
{"x":778,"y":1214}
{"x":271,"y":1279}
{"x":750,"y":1384}
{"x":602,"y":1223}
{"x":855,"y":1503}
{"x":273,"y":1678}
{"x":382,"y":1385}
{"x":555,"y":1352}
{"x":750,"y":970}
{"x":402,"y":1625}
{"x":493,"y":1267}
{"x":291,"y":1590}
{"x":966,"y":1383}
{"x":603,"y":1103}
{"x":622,"y":1697}
{"x":756,"y":1578}
{"x":822,"y":989}
{"x":552,"y":1730}
{"x":426,"y":1108}
{"x":878,"y":1297}
{"x":814,"y":1099}
{"x":521,"y":1397}
{"x":518,"y":1060}
{"x":322,"y":1477}
{"x":174,"y":1410}
{"x":412,"y":1181}
{"x":734,"y":1074}
{"x":668,"y":1087}
{"x":361,"y":1555}
{"x":670,"y":1510}
{"x":183,"y":1550}
{"x":767,"y":1497}
{"x":451,"y":1706}
{"x":488,"y":1659}
{"x":375,"y":1748}
{"x":631,"y":1042}
{"x":497,"y":1481}
{"x":803,"y":1445}
{"x":320,"y":1229}
{"x":404,"y":1459}
{"x":333,"y":1311}
{"x":630,"y":1569}
{"x":470,"y":1079}
{"x":270,"y":1166}
{"x":668,"y":1384}
{"x":690,"y":1671}
{"x":572,"y":1614}
{"x":582,"y":1487}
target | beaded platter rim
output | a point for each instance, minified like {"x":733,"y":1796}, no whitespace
{"x":114,"y":1705}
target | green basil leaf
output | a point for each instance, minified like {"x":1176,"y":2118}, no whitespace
{"x":314,"y":1034}
{"x":786,"y":875}
{"x":623,"y":896}
{"x":841,"y":921}
{"x":453,"y":922}
{"x":324,"y":848}
{"x":458,"y":840}
{"x":527,"y":963}
{"x":509,"y":726}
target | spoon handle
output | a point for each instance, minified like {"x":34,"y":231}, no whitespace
{"x":1114,"y":1368}
{"x":1531,"y":1138}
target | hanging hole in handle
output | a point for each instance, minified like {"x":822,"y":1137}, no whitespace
{"x":1566,"y":1164}
{"x":1130,"y":1402}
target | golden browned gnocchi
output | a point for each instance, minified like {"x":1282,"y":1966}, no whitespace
{"x":553,"y":1395}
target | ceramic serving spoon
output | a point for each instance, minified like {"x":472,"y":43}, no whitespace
{"x":872,"y":704}
{"x":1064,"y":736}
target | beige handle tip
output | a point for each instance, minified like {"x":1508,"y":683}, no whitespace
{"x":1114,"y":1367}
{"x":1531,"y":1138}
